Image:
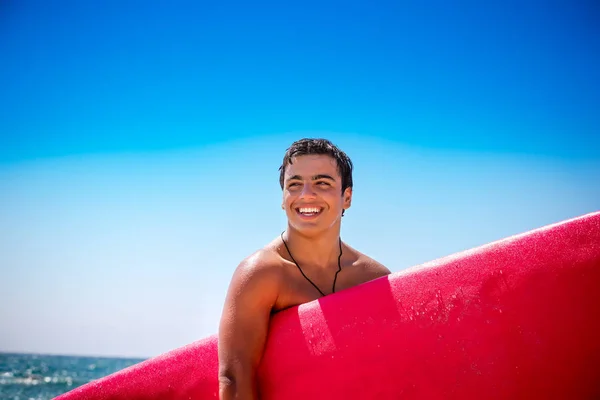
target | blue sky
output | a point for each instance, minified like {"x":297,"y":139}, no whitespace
{"x":139,"y":146}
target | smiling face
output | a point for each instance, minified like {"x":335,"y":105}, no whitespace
{"x":312,"y":193}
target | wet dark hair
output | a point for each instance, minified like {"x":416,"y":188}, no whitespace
{"x":306,"y":146}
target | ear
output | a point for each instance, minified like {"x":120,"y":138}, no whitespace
{"x":347,"y":198}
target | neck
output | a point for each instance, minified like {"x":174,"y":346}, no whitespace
{"x":321,"y":250}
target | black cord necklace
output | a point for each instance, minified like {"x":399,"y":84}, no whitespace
{"x":306,"y":277}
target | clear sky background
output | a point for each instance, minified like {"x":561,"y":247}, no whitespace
{"x":140,"y":142}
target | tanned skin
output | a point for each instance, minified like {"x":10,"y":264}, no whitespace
{"x":268,"y":281}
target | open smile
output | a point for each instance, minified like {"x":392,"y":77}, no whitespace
{"x":309,"y":211}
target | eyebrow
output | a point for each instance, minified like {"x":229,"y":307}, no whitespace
{"x":314,"y":178}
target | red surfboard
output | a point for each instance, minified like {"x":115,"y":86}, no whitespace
{"x":514,"y":319}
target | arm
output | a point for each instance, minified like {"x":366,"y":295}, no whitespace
{"x":243,"y":329}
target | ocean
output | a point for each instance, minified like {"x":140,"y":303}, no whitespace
{"x":43,"y":377}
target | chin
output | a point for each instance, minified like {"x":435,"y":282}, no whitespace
{"x":309,"y":229}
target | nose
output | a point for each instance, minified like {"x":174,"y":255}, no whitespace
{"x":307,"y":192}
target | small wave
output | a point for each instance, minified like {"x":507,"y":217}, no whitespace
{"x":5,"y":379}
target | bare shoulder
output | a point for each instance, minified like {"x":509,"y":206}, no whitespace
{"x":369,"y":266}
{"x":252,"y":293}
{"x":260,"y":269}
{"x":374,"y":267}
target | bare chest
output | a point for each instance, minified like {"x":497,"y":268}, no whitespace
{"x":302,"y":286}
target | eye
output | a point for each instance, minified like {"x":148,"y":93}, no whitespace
{"x":323,"y":183}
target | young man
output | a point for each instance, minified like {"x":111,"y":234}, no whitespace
{"x":304,"y":263}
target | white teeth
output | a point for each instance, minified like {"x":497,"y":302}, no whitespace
{"x":309,"y":210}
